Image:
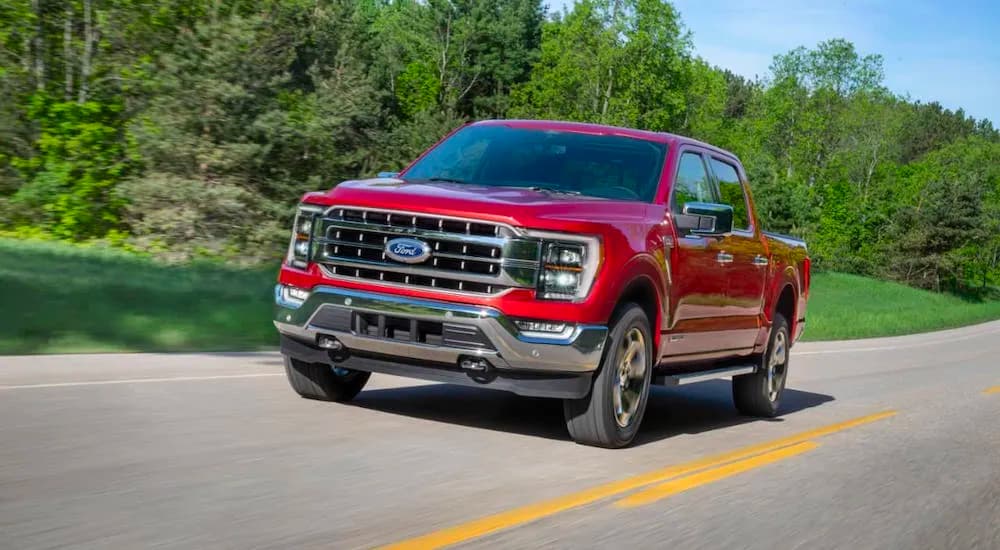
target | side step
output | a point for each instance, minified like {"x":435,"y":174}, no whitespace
{"x":701,"y":376}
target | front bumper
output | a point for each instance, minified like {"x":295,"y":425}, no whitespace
{"x":517,"y":362}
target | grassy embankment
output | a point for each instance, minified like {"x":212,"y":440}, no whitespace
{"x":63,"y":299}
{"x":845,"y":306}
{"x":56,"y":298}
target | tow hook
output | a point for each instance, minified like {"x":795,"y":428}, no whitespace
{"x":329,"y":342}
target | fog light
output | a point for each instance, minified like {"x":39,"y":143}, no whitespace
{"x":540,"y":326}
{"x":290,"y":297}
{"x":297,"y":293}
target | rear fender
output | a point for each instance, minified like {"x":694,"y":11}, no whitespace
{"x":784,"y":276}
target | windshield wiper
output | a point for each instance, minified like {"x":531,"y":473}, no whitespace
{"x":446,"y":180}
{"x":554,"y":190}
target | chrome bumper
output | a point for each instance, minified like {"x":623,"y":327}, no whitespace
{"x":577,"y":351}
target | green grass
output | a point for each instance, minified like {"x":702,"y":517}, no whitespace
{"x":845,"y":307}
{"x":57,"y":298}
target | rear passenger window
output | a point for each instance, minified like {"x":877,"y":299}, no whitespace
{"x":732,"y":193}
{"x":692,"y":183}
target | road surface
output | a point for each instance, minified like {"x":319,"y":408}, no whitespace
{"x":891,"y":443}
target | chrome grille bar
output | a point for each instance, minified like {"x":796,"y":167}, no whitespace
{"x":467,"y":256}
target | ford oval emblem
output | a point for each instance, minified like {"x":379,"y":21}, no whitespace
{"x":408,"y":251}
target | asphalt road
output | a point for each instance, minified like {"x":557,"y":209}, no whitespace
{"x":890,"y":443}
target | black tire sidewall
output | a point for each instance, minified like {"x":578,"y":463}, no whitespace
{"x":602,"y":394}
{"x":750,"y":390}
{"x":780,"y":324}
{"x":318,"y":381}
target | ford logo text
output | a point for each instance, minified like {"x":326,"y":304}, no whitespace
{"x":408,"y":251}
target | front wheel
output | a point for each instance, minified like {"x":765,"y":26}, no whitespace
{"x":759,"y":394}
{"x":324,"y":382}
{"x":611,"y":414}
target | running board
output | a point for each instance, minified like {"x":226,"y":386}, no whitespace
{"x":692,"y":377}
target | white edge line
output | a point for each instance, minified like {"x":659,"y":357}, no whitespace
{"x":139,"y":381}
{"x":897,"y":347}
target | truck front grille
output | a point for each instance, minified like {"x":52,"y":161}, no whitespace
{"x":466,"y":256}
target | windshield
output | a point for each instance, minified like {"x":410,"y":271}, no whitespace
{"x":611,"y":167}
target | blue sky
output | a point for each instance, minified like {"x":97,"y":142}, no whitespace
{"x":934,"y":50}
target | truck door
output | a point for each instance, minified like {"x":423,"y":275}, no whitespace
{"x":747,"y":273}
{"x":699,"y":280}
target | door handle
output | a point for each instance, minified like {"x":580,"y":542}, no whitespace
{"x":724,"y":258}
{"x":760,"y":261}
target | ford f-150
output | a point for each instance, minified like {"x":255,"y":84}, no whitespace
{"x":564,"y":260}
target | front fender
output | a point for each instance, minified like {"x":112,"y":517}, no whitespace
{"x":643,"y":269}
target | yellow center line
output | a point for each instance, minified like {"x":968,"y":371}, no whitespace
{"x":679,"y":485}
{"x":994,"y":389}
{"x":531,"y":512}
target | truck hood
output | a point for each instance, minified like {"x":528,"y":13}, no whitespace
{"x":513,"y":205}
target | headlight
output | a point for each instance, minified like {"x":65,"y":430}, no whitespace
{"x":569,"y":264}
{"x":300,"y":248}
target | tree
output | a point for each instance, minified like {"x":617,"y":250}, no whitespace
{"x":945,"y":230}
{"x":622,"y":62}
{"x":282,"y":108}
{"x":459,"y":56}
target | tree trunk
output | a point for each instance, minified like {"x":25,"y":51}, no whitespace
{"x":443,"y":64}
{"x":26,"y":58}
{"x":39,"y":46}
{"x":88,"y":50}
{"x":68,"y":52}
{"x":607,"y":96}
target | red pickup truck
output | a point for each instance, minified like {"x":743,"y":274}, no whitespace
{"x":565,"y":260}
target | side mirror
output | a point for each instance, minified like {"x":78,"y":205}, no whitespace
{"x":387,"y":174}
{"x":703,"y":218}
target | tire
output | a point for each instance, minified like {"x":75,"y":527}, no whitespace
{"x":759,"y":394}
{"x":324,"y":382}
{"x":597,"y":419}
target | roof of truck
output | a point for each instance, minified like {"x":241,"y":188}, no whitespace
{"x":603,"y":129}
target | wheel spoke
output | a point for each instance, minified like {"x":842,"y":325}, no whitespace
{"x":776,"y":365}
{"x":626,"y":402}
{"x":630,"y":372}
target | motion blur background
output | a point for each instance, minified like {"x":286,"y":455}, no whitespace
{"x":186,"y":130}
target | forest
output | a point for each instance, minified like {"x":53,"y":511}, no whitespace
{"x":186,"y":129}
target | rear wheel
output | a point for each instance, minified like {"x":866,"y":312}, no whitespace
{"x":611,"y":414}
{"x":759,"y":394}
{"x":324,"y":382}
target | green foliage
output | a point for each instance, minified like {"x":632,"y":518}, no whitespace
{"x":945,"y":234}
{"x":417,"y":89}
{"x":189,"y":128}
{"x":465,"y":54}
{"x":611,"y":61}
{"x":81,"y":155}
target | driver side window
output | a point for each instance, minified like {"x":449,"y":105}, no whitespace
{"x":692,"y":183}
